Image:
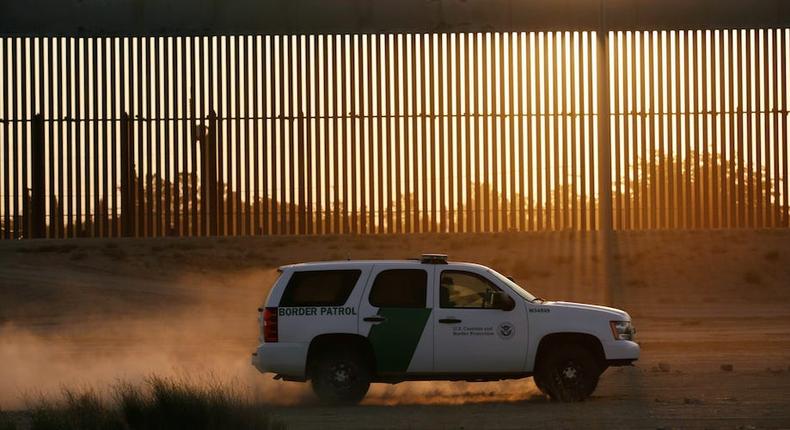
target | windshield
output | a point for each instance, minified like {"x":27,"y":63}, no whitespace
{"x":514,"y":286}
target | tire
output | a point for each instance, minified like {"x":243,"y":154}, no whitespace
{"x":540,"y":383}
{"x":568,"y":374}
{"x":340,"y":377}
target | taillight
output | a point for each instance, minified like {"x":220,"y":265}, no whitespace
{"x":270,"y":325}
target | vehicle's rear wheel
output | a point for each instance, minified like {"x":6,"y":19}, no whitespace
{"x":540,"y":383}
{"x":340,"y":377}
{"x":568,"y":374}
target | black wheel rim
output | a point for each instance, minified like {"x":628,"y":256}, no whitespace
{"x":341,"y":375}
{"x":570,"y":376}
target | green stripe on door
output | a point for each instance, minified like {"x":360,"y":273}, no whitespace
{"x":395,"y":340}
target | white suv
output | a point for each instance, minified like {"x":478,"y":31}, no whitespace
{"x":343,"y":325}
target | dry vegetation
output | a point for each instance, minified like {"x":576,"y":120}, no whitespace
{"x":160,"y":403}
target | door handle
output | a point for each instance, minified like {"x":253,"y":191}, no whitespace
{"x":449,"y":320}
{"x":374,"y":319}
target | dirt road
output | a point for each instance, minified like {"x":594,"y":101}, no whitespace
{"x":88,"y":312}
{"x":629,"y":399}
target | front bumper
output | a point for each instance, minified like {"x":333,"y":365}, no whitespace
{"x":622,"y":351}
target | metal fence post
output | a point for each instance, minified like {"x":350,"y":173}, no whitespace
{"x":207,"y":136}
{"x":610,"y":272}
{"x":604,"y":146}
{"x":38,"y":208}
{"x":212,"y":172}
{"x":127,"y":181}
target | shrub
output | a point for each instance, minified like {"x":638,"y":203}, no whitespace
{"x":6,"y":421}
{"x":161,"y":403}
{"x":75,"y":411}
{"x":177,"y":403}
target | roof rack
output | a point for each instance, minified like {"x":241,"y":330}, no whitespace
{"x":433,"y":259}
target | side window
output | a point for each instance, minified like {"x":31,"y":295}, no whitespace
{"x":319,"y":288}
{"x":399,"y":288}
{"x":467,"y":290}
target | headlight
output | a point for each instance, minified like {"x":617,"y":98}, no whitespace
{"x":622,"y":330}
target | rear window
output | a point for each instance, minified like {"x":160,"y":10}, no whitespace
{"x":399,"y":288}
{"x":319,"y":288}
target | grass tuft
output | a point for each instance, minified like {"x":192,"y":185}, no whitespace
{"x":6,"y":422}
{"x":76,"y":410}
{"x":160,"y":403}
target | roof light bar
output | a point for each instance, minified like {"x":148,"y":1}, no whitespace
{"x":433,"y":259}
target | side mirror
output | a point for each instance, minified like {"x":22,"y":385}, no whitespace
{"x":500,"y":300}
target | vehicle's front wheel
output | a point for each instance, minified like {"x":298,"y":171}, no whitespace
{"x":568,"y":374}
{"x":340,"y":377}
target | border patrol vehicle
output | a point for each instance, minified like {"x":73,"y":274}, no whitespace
{"x":342,"y":325}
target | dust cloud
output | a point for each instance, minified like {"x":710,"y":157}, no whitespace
{"x":35,"y":366}
{"x":451,"y":393}
{"x":205,"y":338}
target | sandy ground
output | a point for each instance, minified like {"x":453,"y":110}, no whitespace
{"x":86,"y":313}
